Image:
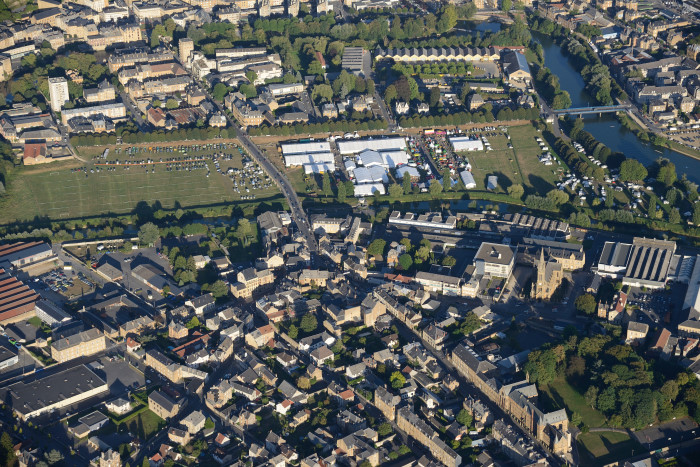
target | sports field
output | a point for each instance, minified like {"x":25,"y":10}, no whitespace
{"x":58,"y":191}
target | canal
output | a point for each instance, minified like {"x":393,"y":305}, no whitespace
{"x":607,"y":129}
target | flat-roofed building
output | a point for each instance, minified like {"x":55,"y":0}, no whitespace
{"x":494,"y":259}
{"x":9,"y":356}
{"x":439,"y":283}
{"x":114,"y":111}
{"x":82,"y":344}
{"x":50,"y":313}
{"x":644,"y":263}
{"x":45,"y":394}
{"x":357,"y":60}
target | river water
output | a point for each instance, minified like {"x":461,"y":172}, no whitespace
{"x":607,"y":129}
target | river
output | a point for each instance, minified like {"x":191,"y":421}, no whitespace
{"x":607,"y":129}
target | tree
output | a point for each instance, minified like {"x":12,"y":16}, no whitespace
{"x":674,"y":216}
{"x":464,"y":418}
{"x":342,"y":193}
{"x":7,"y":451}
{"x":631,"y":170}
{"x":303,"y":382}
{"x":209,"y":424}
{"x":696,"y":214}
{"x":322,"y":93}
{"x":435,"y":188}
{"x":54,"y":456}
{"x":385,"y":429}
{"x":448,"y":19}
{"x":166,"y":290}
{"x":219,"y":289}
{"x":406,"y":183}
{"x":516,"y":191}
{"x":148,"y":234}
{"x":252,"y":76}
{"x":395,"y":191}
{"x":219,"y":92}
{"x":293,"y":331}
{"x":586,"y":304}
{"x":376,"y":248}
{"x":506,"y":5}
{"x":326,"y":189}
{"x":669,"y":390}
{"x":390,"y":94}
{"x":309,"y":323}
{"x":449,"y":261}
{"x":434,"y":96}
{"x":248,"y":90}
{"x":171,"y":104}
{"x":405,"y":261}
{"x":397,"y":380}
{"x":666,"y":173}
{"x":558,"y":197}
{"x":591,"y":395}
{"x":193,"y":323}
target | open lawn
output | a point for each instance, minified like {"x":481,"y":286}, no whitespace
{"x":560,"y":394}
{"x":55,"y":191}
{"x":144,"y":424}
{"x":519,"y":165}
{"x":602,"y":448}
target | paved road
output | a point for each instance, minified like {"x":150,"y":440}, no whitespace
{"x":135,"y":112}
{"x":465,"y":385}
{"x":298,"y":213}
{"x":386,"y":115}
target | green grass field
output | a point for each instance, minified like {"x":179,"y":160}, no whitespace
{"x":519,"y":165}
{"x":602,"y":448}
{"x":560,"y":394}
{"x":54,"y":192}
{"x":144,"y":424}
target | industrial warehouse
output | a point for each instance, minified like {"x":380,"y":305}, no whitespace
{"x":643,"y":263}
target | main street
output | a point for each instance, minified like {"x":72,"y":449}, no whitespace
{"x":468,"y":387}
{"x":297,"y":212}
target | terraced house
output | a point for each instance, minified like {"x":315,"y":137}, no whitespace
{"x":518,"y":399}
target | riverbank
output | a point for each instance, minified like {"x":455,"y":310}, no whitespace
{"x":607,"y":129}
{"x":630,"y":123}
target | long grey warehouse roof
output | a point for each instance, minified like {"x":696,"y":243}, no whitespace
{"x":650,"y":259}
{"x":33,"y":395}
{"x":615,"y":254}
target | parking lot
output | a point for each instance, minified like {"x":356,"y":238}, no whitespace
{"x":66,"y":283}
{"x":653,"y":307}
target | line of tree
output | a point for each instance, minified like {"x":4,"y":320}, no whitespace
{"x":595,"y":73}
{"x":548,"y":84}
{"x":463,"y":118}
{"x":160,"y":136}
{"x":313,"y":128}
